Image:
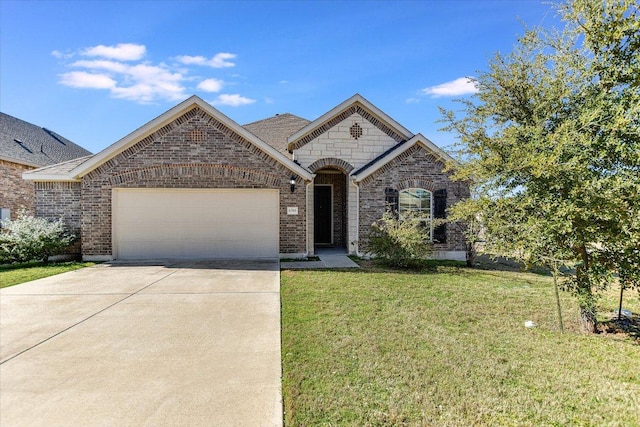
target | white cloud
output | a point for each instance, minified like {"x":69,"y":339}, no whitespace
{"x":121,"y":70}
{"x":82,"y":79}
{"x":191,"y":60}
{"x":137,"y":82}
{"x":61,"y":55}
{"x":234,"y":100}
{"x":120,"y":52}
{"x":211,"y":85}
{"x":144,"y":92}
{"x":102,"y":64}
{"x":412,"y":100}
{"x":219,"y":60}
{"x":461,"y":86}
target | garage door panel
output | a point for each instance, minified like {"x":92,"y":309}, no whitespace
{"x":195,"y":223}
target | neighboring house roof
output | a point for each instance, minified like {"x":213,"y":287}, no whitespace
{"x":354,"y":105}
{"x":275,"y":130}
{"x":397,"y":150}
{"x":93,"y":162}
{"x":28,"y":144}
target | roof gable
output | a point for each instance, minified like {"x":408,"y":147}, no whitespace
{"x":393,"y":153}
{"x":26,"y":143}
{"x":161,"y":125}
{"x":354,"y":105}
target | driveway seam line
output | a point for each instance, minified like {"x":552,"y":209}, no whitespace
{"x":84,"y":320}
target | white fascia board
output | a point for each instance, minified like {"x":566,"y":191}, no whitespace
{"x":357,"y":98}
{"x":48,"y":177}
{"x":44,"y":173}
{"x":418,"y":139}
{"x":169,"y":116}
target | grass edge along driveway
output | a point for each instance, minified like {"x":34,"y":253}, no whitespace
{"x":14,"y":274}
{"x":448,"y":348}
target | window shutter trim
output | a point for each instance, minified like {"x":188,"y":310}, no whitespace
{"x":440,"y":212}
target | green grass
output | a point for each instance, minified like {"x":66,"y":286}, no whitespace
{"x":448,"y":347}
{"x":14,"y":274}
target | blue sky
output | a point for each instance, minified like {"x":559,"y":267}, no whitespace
{"x":94,"y":71}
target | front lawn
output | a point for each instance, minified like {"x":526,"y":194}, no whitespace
{"x":448,"y":348}
{"x":14,"y":274}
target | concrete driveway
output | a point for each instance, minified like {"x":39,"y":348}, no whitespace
{"x":189,"y":344}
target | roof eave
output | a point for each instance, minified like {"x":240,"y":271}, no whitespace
{"x":167,"y":117}
{"x":48,"y":177}
{"x":19,"y":161}
{"x":401,"y":148}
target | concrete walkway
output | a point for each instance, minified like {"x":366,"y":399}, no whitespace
{"x":329,"y":258}
{"x":194,"y":344}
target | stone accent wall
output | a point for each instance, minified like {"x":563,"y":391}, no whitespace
{"x":416,"y":167}
{"x":355,"y":109}
{"x":55,"y":200}
{"x":338,"y":181}
{"x":337,"y":143}
{"x":15,"y":192}
{"x":193,"y":151}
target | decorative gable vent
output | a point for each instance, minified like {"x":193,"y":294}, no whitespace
{"x":196,"y":135}
{"x":355,"y":131}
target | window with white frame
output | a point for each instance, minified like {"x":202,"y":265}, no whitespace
{"x":419,"y":202}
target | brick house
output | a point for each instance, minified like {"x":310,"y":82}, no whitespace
{"x":193,"y":183}
{"x":24,"y":147}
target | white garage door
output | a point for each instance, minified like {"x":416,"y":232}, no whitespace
{"x":195,"y":223}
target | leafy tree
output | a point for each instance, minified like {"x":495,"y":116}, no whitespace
{"x":551,"y":142}
{"x":27,"y":238}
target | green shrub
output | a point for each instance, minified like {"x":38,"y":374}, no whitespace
{"x":400,"y":242}
{"x":29,"y":238}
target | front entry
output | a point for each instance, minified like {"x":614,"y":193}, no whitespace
{"x":323,"y":214}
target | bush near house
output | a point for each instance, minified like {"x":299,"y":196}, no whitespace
{"x":29,"y":238}
{"x":400,"y":242}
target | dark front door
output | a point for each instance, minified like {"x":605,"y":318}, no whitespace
{"x":322,"y":214}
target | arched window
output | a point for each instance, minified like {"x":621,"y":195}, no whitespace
{"x":418,"y":201}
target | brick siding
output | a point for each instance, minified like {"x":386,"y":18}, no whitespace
{"x":15,"y":192}
{"x":414,"y":168}
{"x":55,"y":200}
{"x":193,"y":151}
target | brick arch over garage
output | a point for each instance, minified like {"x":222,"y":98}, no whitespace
{"x":196,"y":170}
{"x":339,"y":164}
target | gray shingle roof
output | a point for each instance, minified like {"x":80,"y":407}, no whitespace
{"x":275,"y":130}
{"x":26,"y":143}
{"x":61,"y":168}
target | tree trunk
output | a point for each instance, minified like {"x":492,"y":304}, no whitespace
{"x":586,"y":300}
{"x":557,"y":292}
{"x":471,"y":254}
{"x":621,"y":294}
{"x":588,"y":321}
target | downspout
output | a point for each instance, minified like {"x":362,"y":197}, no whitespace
{"x":357,"y":236}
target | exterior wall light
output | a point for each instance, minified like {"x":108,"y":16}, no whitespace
{"x":292,"y":181}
